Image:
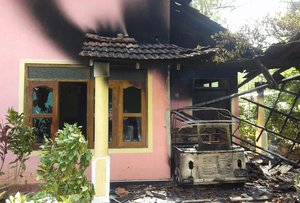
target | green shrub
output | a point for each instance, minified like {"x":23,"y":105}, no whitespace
{"x":18,"y":198}
{"x":40,"y":197}
{"x":63,"y":163}
{"x":20,"y":141}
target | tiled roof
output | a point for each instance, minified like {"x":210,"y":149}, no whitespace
{"x":127,"y":48}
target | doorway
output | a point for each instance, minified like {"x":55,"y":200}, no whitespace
{"x":73,"y":104}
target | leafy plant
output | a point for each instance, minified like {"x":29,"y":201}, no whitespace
{"x":233,"y":46}
{"x":63,"y":163}
{"x":214,"y":8}
{"x":39,"y":197}
{"x":18,"y":198}
{"x":42,"y":197}
{"x":20,"y":141}
{"x":3,"y":145}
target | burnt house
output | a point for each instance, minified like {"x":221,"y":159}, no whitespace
{"x":70,"y":65}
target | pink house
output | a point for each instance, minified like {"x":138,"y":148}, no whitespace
{"x":119,"y":88}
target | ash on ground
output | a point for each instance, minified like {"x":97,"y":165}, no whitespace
{"x":266,"y":183}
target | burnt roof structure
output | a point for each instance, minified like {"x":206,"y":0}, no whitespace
{"x":281,"y":56}
{"x":188,"y":27}
{"x":284,"y":53}
{"x":124,"y":47}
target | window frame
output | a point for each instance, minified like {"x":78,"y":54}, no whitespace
{"x":117,"y":114}
{"x":29,"y":107}
{"x":30,"y":82}
{"x":210,"y":81}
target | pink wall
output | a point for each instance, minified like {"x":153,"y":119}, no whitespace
{"x":22,"y":37}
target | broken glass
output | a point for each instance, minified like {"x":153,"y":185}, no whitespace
{"x":42,"y":129}
{"x":42,"y":99}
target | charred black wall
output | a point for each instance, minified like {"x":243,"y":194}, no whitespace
{"x":150,"y":21}
{"x":182,"y":83}
{"x":145,"y":20}
{"x":189,"y":28}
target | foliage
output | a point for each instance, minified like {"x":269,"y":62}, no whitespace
{"x":284,"y":25}
{"x":63,"y":163}
{"x":251,"y":40}
{"x":232,"y":46}
{"x":248,"y":111}
{"x":42,"y":197}
{"x":3,"y":145}
{"x":18,"y":198}
{"x":284,"y":105}
{"x":213,"y":8}
{"x":20,"y":141}
{"x":247,"y":131}
{"x":37,"y":198}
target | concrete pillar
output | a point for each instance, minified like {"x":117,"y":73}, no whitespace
{"x":261,"y":119}
{"x":101,"y":161}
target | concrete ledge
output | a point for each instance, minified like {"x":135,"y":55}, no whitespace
{"x":100,"y":199}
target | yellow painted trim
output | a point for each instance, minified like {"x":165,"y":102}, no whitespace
{"x":21,"y":87}
{"x":149,"y":149}
{"x":22,"y":66}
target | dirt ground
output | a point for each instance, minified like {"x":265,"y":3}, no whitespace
{"x":266,"y":183}
{"x":171,"y":192}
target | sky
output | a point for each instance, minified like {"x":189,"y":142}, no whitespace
{"x":250,"y":10}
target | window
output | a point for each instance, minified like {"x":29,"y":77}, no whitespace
{"x":42,"y":108}
{"x":205,"y":90}
{"x":210,"y":83}
{"x":127,"y":114}
{"x":58,"y":94}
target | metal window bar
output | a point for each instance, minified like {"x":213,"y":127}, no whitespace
{"x":271,"y":110}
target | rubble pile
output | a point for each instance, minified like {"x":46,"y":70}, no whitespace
{"x":266,"y":183}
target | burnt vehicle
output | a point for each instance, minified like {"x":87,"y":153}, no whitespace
{"x":202,"y":149}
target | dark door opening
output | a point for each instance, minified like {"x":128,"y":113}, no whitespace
{"x":73,"y":104}
{"x":208,"y":89}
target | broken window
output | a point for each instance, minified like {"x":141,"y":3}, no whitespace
{"x":56,"y":95}
{"x":42,"y":98}
{"x":42,"y":129}
{"x":41,"y":109}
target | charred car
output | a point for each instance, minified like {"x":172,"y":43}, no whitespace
{"x":202,"y":149}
